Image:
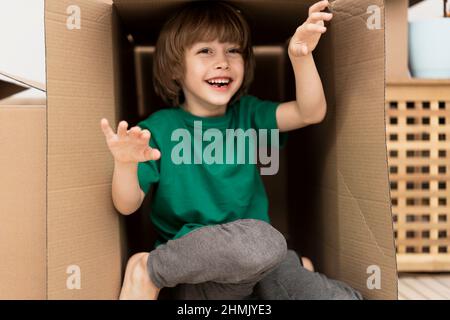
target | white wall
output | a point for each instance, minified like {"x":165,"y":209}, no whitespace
{"x":428,"y":9}
{"x":22,"y":46}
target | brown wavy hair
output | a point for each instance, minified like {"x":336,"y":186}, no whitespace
{"x":195,"y":22}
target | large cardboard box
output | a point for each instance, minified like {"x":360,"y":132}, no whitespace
{"x":22,"y":192}
{"x":330,"y":198}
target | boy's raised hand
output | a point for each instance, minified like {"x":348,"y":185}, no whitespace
{"x":307,"y":36}
{"x":129,"y":146}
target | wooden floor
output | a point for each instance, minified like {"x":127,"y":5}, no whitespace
{"x":424,"y":286}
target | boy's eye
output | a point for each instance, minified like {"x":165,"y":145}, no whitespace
{"x":206,"y":50}
{"x":236,"y":50}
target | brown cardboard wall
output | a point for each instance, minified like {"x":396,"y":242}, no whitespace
{"x":348,"y":225}
{"x":83,"y":227}
{"x":22,"y":202}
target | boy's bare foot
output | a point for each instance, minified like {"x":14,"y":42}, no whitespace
{"x":137,"y":284}
{"x":307,"y":264}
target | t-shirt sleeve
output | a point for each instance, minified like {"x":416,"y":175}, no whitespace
{"x":263,"y":116}
{"x":148,"y":172}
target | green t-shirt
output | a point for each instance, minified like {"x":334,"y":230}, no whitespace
{"x":201,"y":185}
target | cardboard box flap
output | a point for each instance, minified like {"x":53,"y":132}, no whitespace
{"x":143,"y":17}
{"x":82,"y":225}
{"x":16,"y":91}
{"x":23,"y":82}
{"x":364,"y":231}
{"x":350,"y":231}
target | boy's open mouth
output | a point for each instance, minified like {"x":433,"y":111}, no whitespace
{"x":219,"y":83}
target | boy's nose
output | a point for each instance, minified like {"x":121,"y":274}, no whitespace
{"x":223,"y":65}
{"x":222,"y":62}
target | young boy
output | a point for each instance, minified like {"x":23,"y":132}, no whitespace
{"x":215,"y":240}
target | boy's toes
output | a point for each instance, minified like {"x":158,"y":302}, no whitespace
{"x":307,"y":264}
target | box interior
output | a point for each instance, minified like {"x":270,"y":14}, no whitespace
{"x":138,"y":24}
{"x":330,"y":197}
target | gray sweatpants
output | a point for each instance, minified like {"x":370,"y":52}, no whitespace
{"x":243,"y":259}
{"x":290,"y":281}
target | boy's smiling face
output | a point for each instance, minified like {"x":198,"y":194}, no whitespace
{"x":208,"y":62}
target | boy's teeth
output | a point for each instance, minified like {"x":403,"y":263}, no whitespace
{"x":219,"y":81}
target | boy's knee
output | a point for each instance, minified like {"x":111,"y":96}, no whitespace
{"x":268,"y":248}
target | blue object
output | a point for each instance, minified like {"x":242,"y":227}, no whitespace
{"x":429,"y":48}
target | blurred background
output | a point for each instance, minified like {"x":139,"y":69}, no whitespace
{"x":417,"y":113}
{"x":26,"y":58}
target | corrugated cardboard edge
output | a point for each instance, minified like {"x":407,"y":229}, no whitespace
{"x":83,"y":228}
{"x":387,"y":75}
{"x":11,"y":89}
{"x":25,"y":82}
{"x":345,"y":212}
{"x":387,"y":261}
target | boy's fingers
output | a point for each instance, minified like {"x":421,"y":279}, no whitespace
{"x":315,"y":28}
{"x":152,"y":154}
{"x":122,"y":129}
{"x":145,"y":134}
{"x":107,"y":131}
{"x":319,"y":16}
{"x":318,"y":6}
{"x":135,"y":132}
{"x":156,"y":154}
